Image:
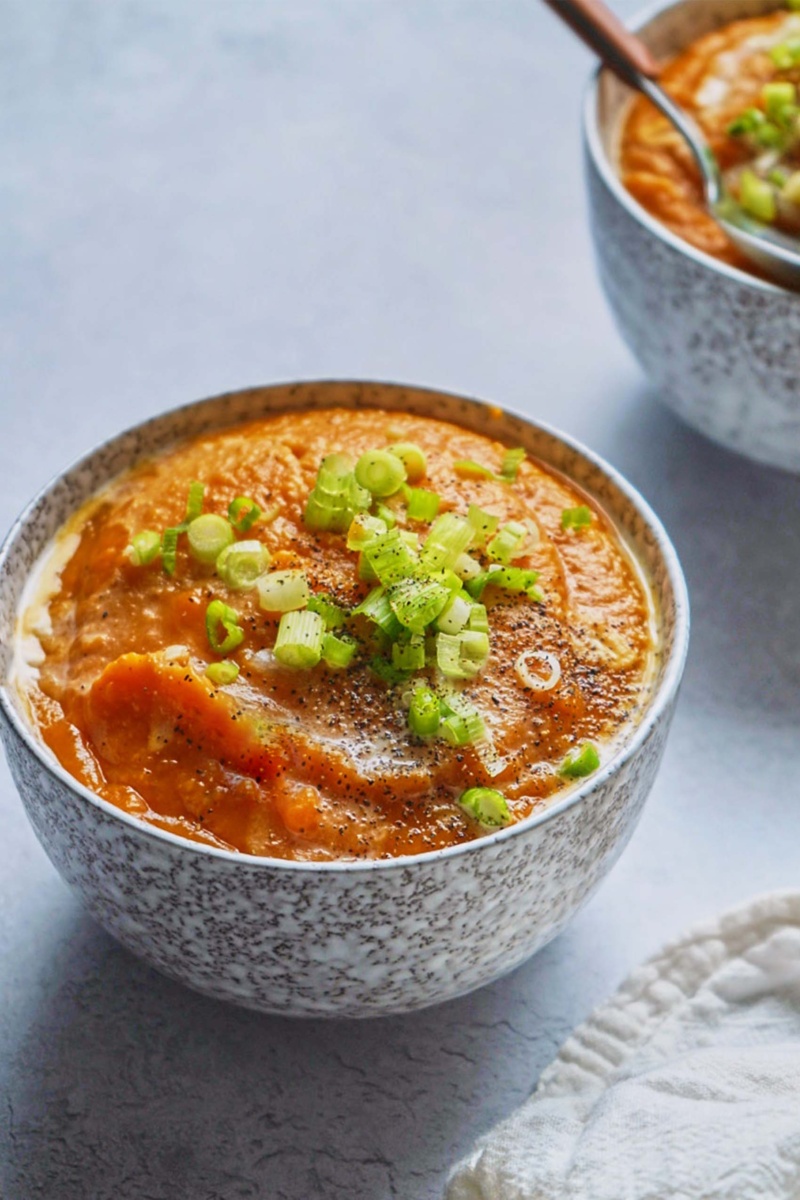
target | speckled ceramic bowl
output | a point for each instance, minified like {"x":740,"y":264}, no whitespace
{"x":722,"y":347}
{"x":345,"y":939}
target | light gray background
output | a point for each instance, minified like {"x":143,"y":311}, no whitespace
{"x":199,"y":195}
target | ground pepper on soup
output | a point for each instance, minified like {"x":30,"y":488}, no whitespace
{"x":336,"y":634}
{"x":740,"y":83}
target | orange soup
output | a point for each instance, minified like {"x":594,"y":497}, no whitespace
{"x":740,"y":83}
{"x":336,"y":634}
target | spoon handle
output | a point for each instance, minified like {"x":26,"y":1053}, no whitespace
{"x":604,"y":33}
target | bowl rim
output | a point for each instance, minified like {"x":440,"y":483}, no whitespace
{"x":609,"y":175}
{"x":659,"y":703}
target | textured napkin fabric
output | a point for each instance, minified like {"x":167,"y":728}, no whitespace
{"x":685,"y":1086}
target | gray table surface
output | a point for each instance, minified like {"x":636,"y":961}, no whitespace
{"x":200,"y":195}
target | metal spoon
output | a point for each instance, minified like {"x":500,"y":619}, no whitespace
{"x":774,"y":252}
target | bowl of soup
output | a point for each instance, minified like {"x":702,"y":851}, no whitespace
{"x":720,"y":343}
{"x":337,"y":698}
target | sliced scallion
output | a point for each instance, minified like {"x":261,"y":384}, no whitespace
{"x":468,"y":469}
{"x":386,"y":514}
{"x":578,"y":763}
{"x":508,"y":542}
{"x":413,"y":459}
{"x":299,"y":640}
{"x":417,"y":602}
{"x":451,"y":660}
{"x":478,"y":618}
{"x":410,"y":655}
{"x":386,"y":671}
{"x":242,"y":564}
{"x":390,"y":557}
{"x":363,"y":528}
{"x":422,"y":504}
{"x":510,"y":579}
{"x":333,"y":616}
{"x":380,"y":472}
{"x":463,"y":728}
{"x":194,"y":501}
{"x":423,"y":712}
{"x":511,"y":463}
{"x":336,"y":496}
{"x":169,"y":549}
{"x":757,"y":197}
{"x":338,"y":653}
{"x":208,"y":535}
{"x":576,"y":518}
{"x":222,"y":673}
{"x":283,"y":591}
{"x":243,"y":513}
{"x":483,"y":524}
{"x":449,"y":536}
{"x":486,"y":806}
{"x":222,"y":627}
{"x":144,"y":548}
{"x":455,"y":616}
{"x":376,"y":606}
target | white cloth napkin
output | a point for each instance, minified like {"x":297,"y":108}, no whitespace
{"x":685,"y":1086}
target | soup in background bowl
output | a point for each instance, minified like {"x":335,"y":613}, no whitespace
{"x":720,"y":345}
{"x":216,"y":855}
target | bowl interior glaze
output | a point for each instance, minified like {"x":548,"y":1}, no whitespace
{"x":637,"y":524}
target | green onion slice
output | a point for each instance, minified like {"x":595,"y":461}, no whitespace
{"x":222,"y":673}
{"x":222,"y":627}
{"x":508,"y":542}
{"x":336,"y":496}
{"x":363,"y":528}
{"x":455,"y":616}
{"x":510,"y":579}
{"x":283,"y":591}
{"x":424,"y":712}
{"x":386,"y":671}
{"x":485,"y":805}
{"x":338,"y":653}
{"x":576,"y":518}
{"x":377,"y":608}
{"x":410,"y":655}
{"x":463,"y":728}
{"x":461,"y":655}
{"x":194,"y":501}
{"x":413,"y":459}
{"x":468,"y":469}
{"x":450,"y":535}
{"x":417,"y":602}
{"x":299,"y":640}
{"x":580,"y":762}
{"x":242,"y":564}
{"x":386,"y":514}
{"x":380,"y":472}
{"x":208,"y":535}
{"x":390,"y":557}
{"x":511,"y":463}
{"x":144,"y":547}
{"x":333,"y":616}
{"x":483,"y":524}
{"x":243,"y":513}
{"x":169,"y":549}
{"x":422,"y":504}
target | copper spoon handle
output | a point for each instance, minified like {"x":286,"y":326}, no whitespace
{"x":604,"y":33}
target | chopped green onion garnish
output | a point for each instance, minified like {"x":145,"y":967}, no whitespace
{"x":417,"y":602}
{"x":336,"y":496}
{"x":208,"y":536}
{"x":422,"y":504}
{"x":488,"y":807}
{"x":510,"y":579}
{"x":144,"y":547}
{"x":424,"y":713}
{"x":455,"y":616}
{"x":380,"y":472}
{"x":478,"y":619}
{"x":283,"y":591}
{"x":483,"y":524}
{"x":386,"y":514}
{"x":299,"y":640}
{"x":338,"y":653}
{"x":222,"y":673}
{"x":376,"y":606}
{"x":410,"y":655}
{"x":194,"y":501}
{"x":508,"y":542}
{"x":222,"y":627}
{"x":463,"y":728}
{"x":363,"y":528}
{"x":241,"y":564}
{"x":412,"y":458}
{"x":390,"y":674}
{"x":778,"y":178}
{"x":747,"y":122}
{"x":243,"y":513}
{"x":580,"y":762}
{"x":576,"y":518}
{"x":461,"y":655}
{"x":365,"y":571}
{"x":467,"y":567}
{"x":449,"y":537}
{"x":169,"y":549}
{"x":511,"y":462}
{"x":777,"y":97}
{"x":467,"y":469}
{"x":390,"y":557}
{"x":786,"y":55}
{"x":333,"y":616}
{"x":757,"y":197}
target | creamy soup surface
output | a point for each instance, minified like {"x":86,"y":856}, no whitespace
{"x":205,"y":722}
{"x":740,"y":83}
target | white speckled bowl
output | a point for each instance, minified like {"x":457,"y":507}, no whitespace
{"x":722,"y":347}
{"x":344,"y":939}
